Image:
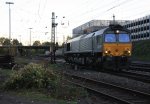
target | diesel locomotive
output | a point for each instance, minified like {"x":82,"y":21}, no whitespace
{"x":107,"y":48}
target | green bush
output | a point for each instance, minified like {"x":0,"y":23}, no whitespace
{"x":34,"y":76}
{"x":31,"y":76}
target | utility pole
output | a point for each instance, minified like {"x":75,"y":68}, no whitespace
{"x":20,"y":38}
{"x":53,"y":47}
{"x":113,"y":19}
{"x":9,"y":3}
{"x":30,"y":36}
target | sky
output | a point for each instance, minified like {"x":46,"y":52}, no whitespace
{"x":37,"y":14}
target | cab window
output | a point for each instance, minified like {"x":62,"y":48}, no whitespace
{"x":124,"y":38}
{"x":68,"y":46}
{"x":99,"y":39}
{"x":110,"y":38}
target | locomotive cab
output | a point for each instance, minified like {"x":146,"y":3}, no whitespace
{"x":117,"y":48}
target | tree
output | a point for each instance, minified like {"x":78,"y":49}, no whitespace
{"x":20,"y":44}
{"x":37,"y":43}
{"x":6,"y":42}
{"x":68,"y":38}
{"x":46,"y":43}
{"x":2,"y":39}
{"x":15,"y":42}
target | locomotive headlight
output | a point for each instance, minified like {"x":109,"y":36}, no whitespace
{"x":117,"y":31}
{"x":129,"y":51}
{"x":107,"y":52}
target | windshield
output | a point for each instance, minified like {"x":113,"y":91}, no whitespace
{"x":124,"y":38}
{"x":110,"y":38}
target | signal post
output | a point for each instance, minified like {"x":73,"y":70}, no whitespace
{"x":53,"y":46}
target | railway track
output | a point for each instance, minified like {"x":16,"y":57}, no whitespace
{"x":139,"y":76}
{"x":136,"y":65}
{"x":140,"y":66}
{"x":132,"y":75}
{"x":136,"y":75}
{"x":118,"y":93}
{"x":122,"y":94}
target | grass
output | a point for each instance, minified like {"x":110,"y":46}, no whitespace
{"x":5,"y":72}
{"x":39,"y":96}
{"x":20,"y":60}
{"x":53,"y":66}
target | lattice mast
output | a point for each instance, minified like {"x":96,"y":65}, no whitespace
{"x":52,"y":48}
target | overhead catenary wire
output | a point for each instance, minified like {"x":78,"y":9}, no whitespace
{"x":87,"y":1}
{"x":30,"y":16}
{"x":139,"y":15}
{"x":103,"y":13}
{"x":95,"y":9}
{"x":84,"y":2}
{"x":39,"y":7}
{"x":83,"y":5}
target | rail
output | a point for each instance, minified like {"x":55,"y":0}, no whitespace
{"x":140,"y":66}
{"x":122,"y":94}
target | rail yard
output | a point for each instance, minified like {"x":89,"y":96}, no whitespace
{"x":128,"y":85}
{"x":75,"y":52}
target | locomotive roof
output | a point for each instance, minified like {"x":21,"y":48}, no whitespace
{"x":101,"y":31}
{"x":87,"y":35}
{"x":74,"y":39}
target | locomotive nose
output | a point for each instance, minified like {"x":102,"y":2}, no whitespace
{"x":117,"y":49}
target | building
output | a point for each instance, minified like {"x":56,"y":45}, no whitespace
{"x":92,"y":26}
{"x":140,"y":28}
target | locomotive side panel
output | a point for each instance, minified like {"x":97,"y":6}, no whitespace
{"x":75,"y":46}
{"x":86,"y":43}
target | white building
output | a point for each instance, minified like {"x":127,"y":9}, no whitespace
{"x":140,"y":28}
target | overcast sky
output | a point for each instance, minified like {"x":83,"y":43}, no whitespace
{"x":36,"y":14}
